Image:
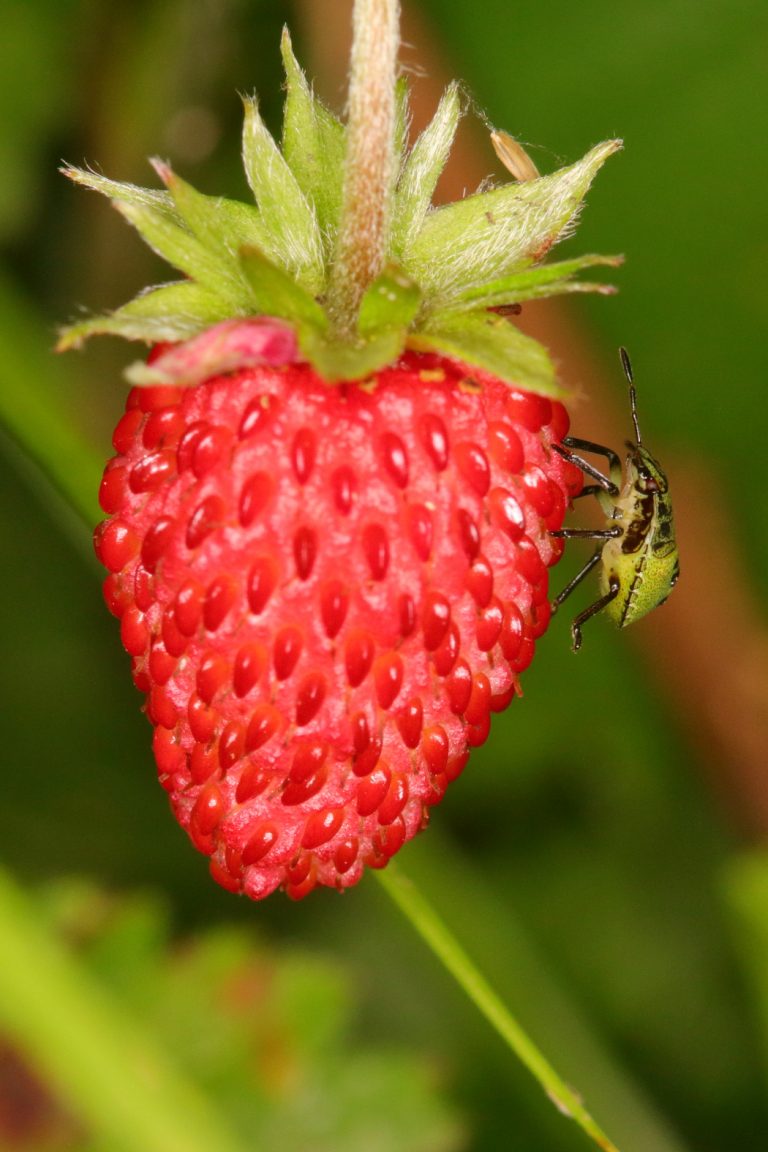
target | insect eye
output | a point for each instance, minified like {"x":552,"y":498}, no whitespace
{"x":648,"y":483}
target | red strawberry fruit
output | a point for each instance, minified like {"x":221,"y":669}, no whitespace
{"x":328,"y":514}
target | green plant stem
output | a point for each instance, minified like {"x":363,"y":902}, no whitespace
{"x":108,"y":1071}
{"x":447,"y":949}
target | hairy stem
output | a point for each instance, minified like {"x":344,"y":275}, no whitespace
{"x":370,"y":158}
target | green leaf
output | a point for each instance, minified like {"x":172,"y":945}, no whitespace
{"x":169,"y":312}
{"x":422,"y":169}
{"x":127,"y":193}
{"x":221,"y":225}
{"x":179,"y":247}
{"x":275,"y":293}
{"x":489,"y":341}
{"x":534,"y":283}
{"x":390,"y":302}
{"x":184,"y":306}
{"x":402,"y":126}
{"x":290,"y":221}
{"x":314,"y":143}
{"x":493,"y":234}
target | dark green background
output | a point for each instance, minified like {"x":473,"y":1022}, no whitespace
{"x":586,"y":818}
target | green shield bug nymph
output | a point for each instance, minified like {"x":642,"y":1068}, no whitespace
{"x":638,"y":557}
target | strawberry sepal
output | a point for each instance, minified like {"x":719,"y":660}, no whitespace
{"x":440,"y":271}
{"x":489,"y":341}
{"x":226,"y":347}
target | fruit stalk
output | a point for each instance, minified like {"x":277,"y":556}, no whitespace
{"x":370,"y":158}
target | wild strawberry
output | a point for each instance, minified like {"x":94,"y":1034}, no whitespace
{"x":330,"y":507}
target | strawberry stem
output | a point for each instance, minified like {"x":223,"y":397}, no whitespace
{"x":370,"y":159}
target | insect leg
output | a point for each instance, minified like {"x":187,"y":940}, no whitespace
{"x":590,"y":446}
{"x":589,"y":490}
{"x":585,"y":571}
{"x":587,"y":533}
{"x":588,"y":613}
{"x":607,"y":485}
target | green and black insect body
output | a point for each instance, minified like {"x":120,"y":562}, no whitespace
{"x":638,"y":557}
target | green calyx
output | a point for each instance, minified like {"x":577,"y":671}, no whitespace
{"x":446,"y":271}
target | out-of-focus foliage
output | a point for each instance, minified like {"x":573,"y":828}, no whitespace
{"x":267,"y":1034}
{"x":746,"y":893}
{"x":38,"y":85}
{"x":588,"y":813}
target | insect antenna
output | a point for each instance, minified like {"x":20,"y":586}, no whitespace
{"x":626,"y":364}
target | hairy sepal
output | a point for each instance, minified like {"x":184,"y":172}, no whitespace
{"x":287,"y":215}
{"x":167,"y":313}
{"x":198,"y":234}
{"x":314,"y":143}
{"x":220,"y":225}
{"x":275,"y":293}
{"x":493,"y":234}
{"x":180,"y":248}
{"x":387,"y":310}
{"x":443,"y":269}
{"x":421,"y":172}
{"x":537,"y":282}
{"x":117,"y":190}
{"x":490,"y":342}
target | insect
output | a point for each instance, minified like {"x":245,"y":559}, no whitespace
{"x":513,"y":156}
{"x":638,"y":557}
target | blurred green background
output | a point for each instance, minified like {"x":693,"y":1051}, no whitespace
{"x":592,"y":856}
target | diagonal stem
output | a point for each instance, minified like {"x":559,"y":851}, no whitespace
{"x":423,"y":918}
